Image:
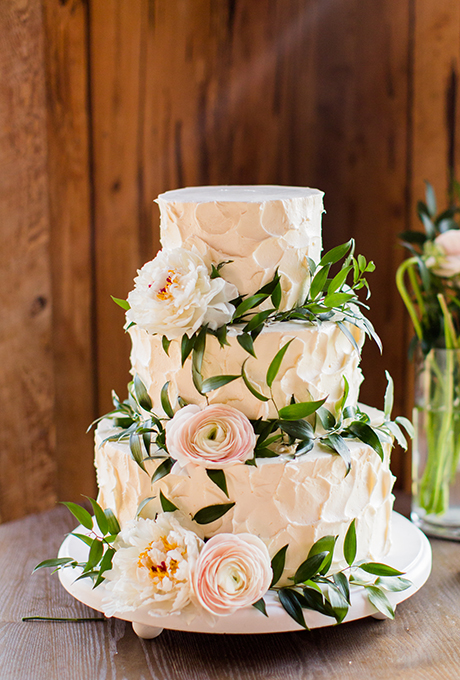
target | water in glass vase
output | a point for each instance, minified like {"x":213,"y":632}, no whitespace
{"x":436,"y":449}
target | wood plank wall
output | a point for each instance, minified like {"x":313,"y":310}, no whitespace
{"x":107,"y":103}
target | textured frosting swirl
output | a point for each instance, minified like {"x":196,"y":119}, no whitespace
{"x":260,"y":229}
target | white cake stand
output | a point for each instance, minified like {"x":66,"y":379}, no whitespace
{"x":410,"y":553}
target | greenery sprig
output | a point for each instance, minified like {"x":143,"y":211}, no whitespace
{"x":329,"y":593}
{"x":103,"y":528}
{"x":433,"y":297}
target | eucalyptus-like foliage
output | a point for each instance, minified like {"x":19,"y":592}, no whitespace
{"x":103,"y":528}
{"x":314,"y":587}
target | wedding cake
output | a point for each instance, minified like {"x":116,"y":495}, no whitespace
{"x":243,"y":418}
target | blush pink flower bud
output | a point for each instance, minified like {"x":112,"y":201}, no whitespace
{"x":448,"y":264}
{"x":232,"y":571}
{"x":215,"y":437}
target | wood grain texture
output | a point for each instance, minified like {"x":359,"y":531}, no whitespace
{"x":360,"y":139}
{"x":421,"y":644}
{"x":27,"y":467}
{"x":117,"y":43}
{"x":71,"y":243}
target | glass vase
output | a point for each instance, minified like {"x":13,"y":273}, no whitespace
{"x":436,"y":446}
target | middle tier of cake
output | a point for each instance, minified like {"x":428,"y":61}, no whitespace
{"x":316,"y":362}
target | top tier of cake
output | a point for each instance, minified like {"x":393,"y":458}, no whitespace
{"x":259,"y":228}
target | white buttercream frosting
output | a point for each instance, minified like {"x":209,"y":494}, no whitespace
{"x":313,"y":367}
{"x":280,"y":501}
{"x":260,"y":229}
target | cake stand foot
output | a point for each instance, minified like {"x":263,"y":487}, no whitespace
{"x":146,"y":632}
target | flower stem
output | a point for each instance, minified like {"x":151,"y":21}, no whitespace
{"x":405,"y":265}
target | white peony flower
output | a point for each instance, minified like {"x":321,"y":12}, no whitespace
{"x":445,"y":260}
{"x":214,"y":437}
{"x":233,"y":571}
{"x":152,"y":565}
{"x":174,"y":294}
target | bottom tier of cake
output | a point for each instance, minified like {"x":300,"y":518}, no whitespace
{"x":282,"y":501}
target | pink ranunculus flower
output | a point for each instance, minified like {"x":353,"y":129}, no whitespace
{"x":215,"y":437}
{"x":232,"y":571}
{"x":448,"y":263}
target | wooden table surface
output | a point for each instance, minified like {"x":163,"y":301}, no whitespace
{"x":422,"y":642}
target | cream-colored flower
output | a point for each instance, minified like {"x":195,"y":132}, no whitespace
{"x":174,"y":294}
{"x":233,"y":571}
{"x":152,"y":566}
{"x":215,"y":437}
{"x":445,"y":260}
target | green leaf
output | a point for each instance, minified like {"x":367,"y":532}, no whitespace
{"x":430,"y":199}
{"x":318,"y":282}
{"x":260,"y":605}
{"x":394,"y":584}
{"x":337,"y":299}
{"x":304,"y":446}
{"x":217,"y":381}
{"x":221,"y":334}
{"x":80,"y":513}
{"x":406,"y":423}
{"x":346,"y":390}
{"x":136,"y":450}
{"x":218,"y":477}
{"x":124,"y":304}
{"x":275,"y":364}
{"x":349,"y":544}
{"x":346,"y":331}
{"x":312,"y":599}
{"x":380,"y":601}
{"x":142,"y":505}
{"x":366,"y":434}
{"x":165,"y":403}
{"x":300,"y":410}
{"x":311,"y":567}
{"x":341,"y":582}
{"x":55,"y":562}
{"x":197,"y":359}
{"x":113,"y":524}
{"x":291,"y":605}
{"x":249,"y":303}
{"x":378,"y":569}
{"x":166,"y":504}
{"x":95,"y":554}
{"x":278,"y":562}
{"x":101,"y":519}
{"x":276,"y":296}
{"x":255,"y":393}
{"x":338,"y":602}
{"x":187,"y":344}
{"x":105,"y":565}
{"x":141,"y":393}
{"x":263,"y":452}
{"x":397,"y":434}
{"x":247,"y":343}
{"x":299,"y":429}
{"x":165,"y":343}
{"x":83,"y":537}
{"x":324,"y":544}
{"x":326,"y":418}
{"x":212,"y":512}
{"x":338,"y":280}
{"x":163,"y":469}
{"x":336,"y":253}
{"x":389,"y":396}
{"x":257,"y":320}
{"x":337,"y":444}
